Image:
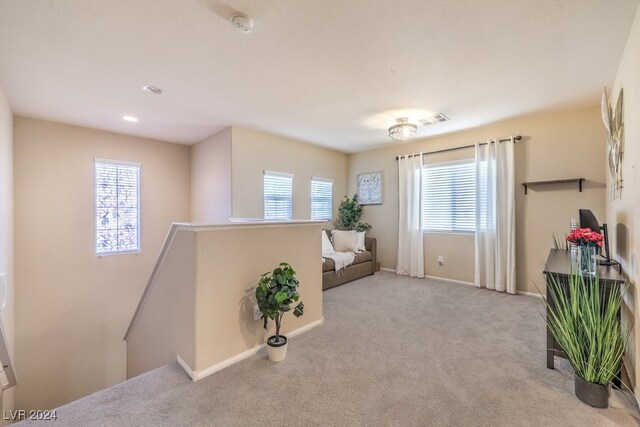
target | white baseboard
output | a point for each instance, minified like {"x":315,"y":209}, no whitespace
{"x":391,"y":270}
{"x":198,"y":375}
{"x":530,"y":294}
{"x":305,"y":328}
{"x":444,"y":279}
{"x":461,"y":282}
{"x":631,"y":373}
{"x":187,"y":369}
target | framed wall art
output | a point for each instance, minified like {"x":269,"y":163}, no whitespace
{"x":370,"y":188}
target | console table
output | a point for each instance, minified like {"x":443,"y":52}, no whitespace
{"x":559,"y":266}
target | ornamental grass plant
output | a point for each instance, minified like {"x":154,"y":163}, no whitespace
{"x":583,"y":318}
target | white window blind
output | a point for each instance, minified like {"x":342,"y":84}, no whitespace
{"x":448,"y":198}
{"x":321,"y":198}
{"x":278,"y":200}
{"x":117,"y":207}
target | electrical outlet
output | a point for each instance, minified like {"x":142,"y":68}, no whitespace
{"x":257,"y":314}
{"x":440,"y":260}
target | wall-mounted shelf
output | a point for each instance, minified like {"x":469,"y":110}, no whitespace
{"x":555,"y":181}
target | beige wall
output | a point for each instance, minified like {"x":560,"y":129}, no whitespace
{"x":457,"y":249}
{"x":226,"y":283}
{"x":458,"y":253}
{"x":623,"y":215}
{"x":211,"y":178}
{"x":6,"y":228}
{"x":564,"y":144}
{"x":72,"y":308}
{"x":166,"y":324}
{"x":201,"y":305}
{"x":228,"y":167}
{"x":254,"y":151}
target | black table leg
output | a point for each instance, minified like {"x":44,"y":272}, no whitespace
{"x":551,"y":342}
{"x":550,"y":347}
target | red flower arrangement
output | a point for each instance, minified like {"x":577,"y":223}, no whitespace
{"x":585,"y":237}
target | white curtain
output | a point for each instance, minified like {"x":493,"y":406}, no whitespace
{"x":410,"y":259}
{"x":495,"y":243}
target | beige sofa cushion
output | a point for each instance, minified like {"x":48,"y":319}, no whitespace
{"x":361,"y":236}
{"x":327,"y":247}
{"x":329,"y":265}
{"x":345,"y":241}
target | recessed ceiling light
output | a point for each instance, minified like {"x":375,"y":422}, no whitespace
{"x":153,"y":89}
{"x":130,"y":119}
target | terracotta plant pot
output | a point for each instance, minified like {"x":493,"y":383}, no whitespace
{"x":277,"y":350}
{"x":596,"y":395}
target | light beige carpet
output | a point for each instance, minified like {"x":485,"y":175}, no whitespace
{"x":392,"y":351}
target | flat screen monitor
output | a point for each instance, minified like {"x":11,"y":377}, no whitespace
{"x":588,"y":220}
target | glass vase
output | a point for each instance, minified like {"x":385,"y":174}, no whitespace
{"x":587,"y":261}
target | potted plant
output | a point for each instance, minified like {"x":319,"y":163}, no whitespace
{"x":583,"y":318}
{"x":349,"y":214}
{"x":275,"y":294}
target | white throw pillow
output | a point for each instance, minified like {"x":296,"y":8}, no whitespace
{"x":345,"y":241}
{"x":327,"y":247}
{"x":360,"y":245}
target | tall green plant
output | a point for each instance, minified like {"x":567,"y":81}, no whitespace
{"x":349,"y":214}
{"x":276,"y":292}
{"x":584,"y":321}
{"x":560,"y":242}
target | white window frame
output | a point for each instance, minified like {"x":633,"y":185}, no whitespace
{"x":329,"y":181}
{"x":95,"y":206}
{"x":264,"y":193}
{"x":469,"y":161}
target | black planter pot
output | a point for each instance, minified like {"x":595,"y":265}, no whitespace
{"x":596,"y":395}
{"x":273,"y":343}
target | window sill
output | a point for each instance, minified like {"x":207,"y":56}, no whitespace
{"x":470,"y":233}
{"x":100,"y":255}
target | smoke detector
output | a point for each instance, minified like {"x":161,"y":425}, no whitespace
{"x":438,"y":118}
{"x":242,"y":23}
{"x":152,"y":89}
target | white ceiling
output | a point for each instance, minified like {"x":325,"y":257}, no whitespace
{"x":331,"y":72}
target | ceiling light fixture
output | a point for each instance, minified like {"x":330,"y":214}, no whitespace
{"x":403,"y":130}
{"x":242,"y":23}
{"x":130,"y":119}
{"x":153,"y":89}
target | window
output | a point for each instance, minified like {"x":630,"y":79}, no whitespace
{"x":448,"y":196}
{"x":321,"y":198}
{"x":278,"y":202}
{"x":117,"y":207}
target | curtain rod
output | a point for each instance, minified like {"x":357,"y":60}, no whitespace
{"x":515,"y":138}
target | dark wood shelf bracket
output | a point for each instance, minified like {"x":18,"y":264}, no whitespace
{"x":526,"y":185}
